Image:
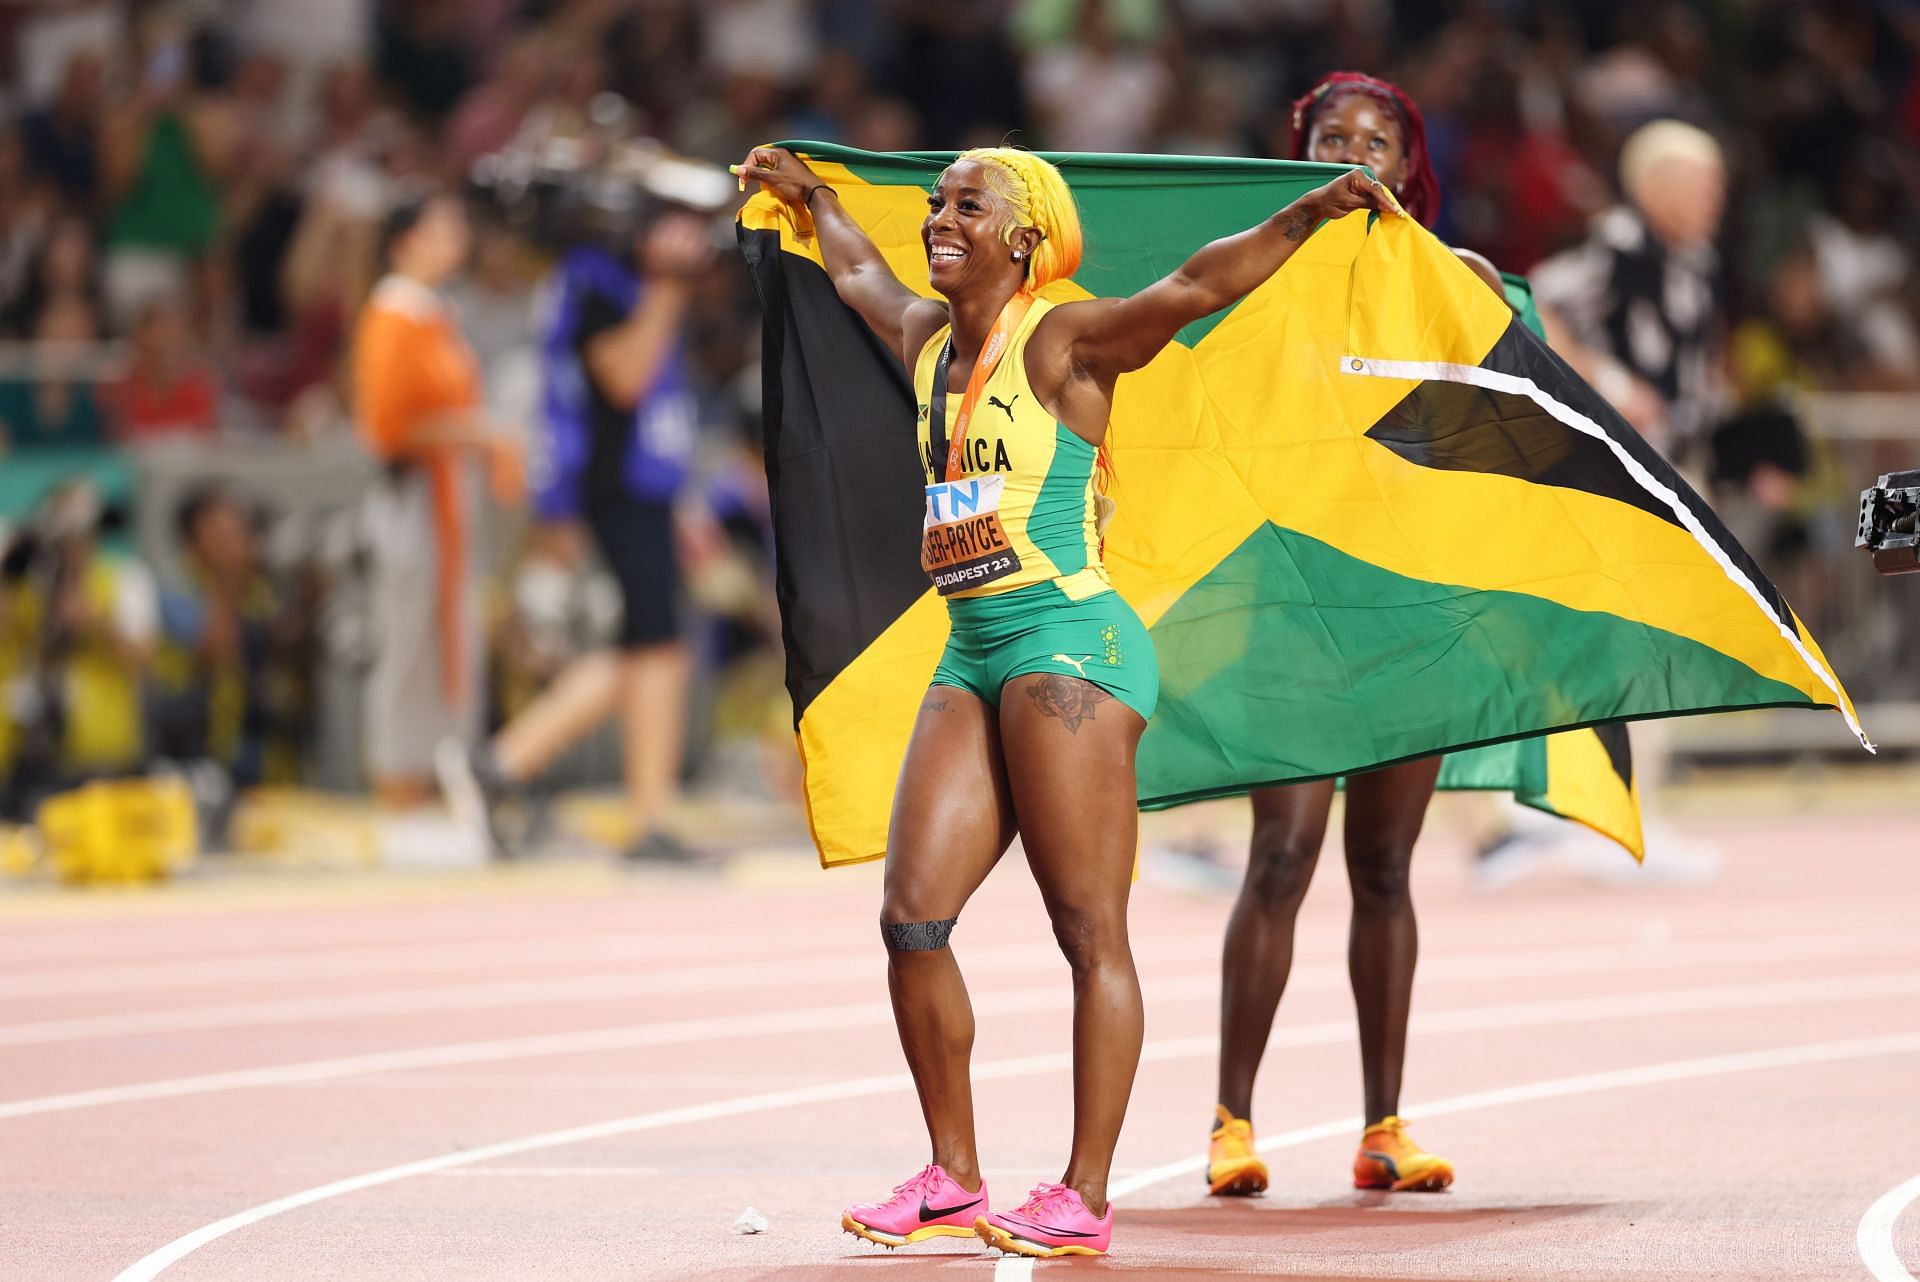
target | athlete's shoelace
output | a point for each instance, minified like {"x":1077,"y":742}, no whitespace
{"x":1047,"y":1197}
{"x":920,"y":1184}
{"x":1394,"y":1126}
{"x":1238,"y":1130}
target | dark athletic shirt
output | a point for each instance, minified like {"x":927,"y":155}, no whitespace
{"x":611,"y":424}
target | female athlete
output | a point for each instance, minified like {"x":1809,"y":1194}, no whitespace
{"x":1048,"y":679}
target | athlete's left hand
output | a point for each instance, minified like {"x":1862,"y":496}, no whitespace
{"x":1353,"y":190}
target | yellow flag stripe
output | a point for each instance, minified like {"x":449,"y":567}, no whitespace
{"x":1582,"y":785}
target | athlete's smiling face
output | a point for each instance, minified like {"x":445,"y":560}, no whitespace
{"x":1358,"y":129}
{"x":962,"y":230}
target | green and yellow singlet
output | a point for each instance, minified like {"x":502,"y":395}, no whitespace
{"x":1021,"y":511}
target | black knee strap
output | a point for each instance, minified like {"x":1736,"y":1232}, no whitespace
{"x":916,"y":936}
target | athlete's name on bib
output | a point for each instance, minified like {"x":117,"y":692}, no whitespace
{"x":963,"y":543}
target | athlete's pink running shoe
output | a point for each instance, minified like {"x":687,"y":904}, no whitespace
{"x":1052,"y":1221}
{"x":930,"y":1204}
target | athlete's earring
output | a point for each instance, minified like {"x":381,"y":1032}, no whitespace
{"x":1018,"y":255}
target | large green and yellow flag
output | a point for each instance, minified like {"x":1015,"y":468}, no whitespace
{"x":1365,"y":514}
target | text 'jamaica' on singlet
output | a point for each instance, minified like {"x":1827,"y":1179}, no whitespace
{"x":1020,"y":510}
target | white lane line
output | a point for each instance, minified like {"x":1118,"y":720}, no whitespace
{"x":1022,"y":1001}
{"x":248,"y":964}
{"x":556,"y":1172}
{"x":229,"y":932}
{"x":1876,"y":1233}
{"x":278,"y":968}
{"x":764,"y":973}
{"x":153,"y":1264}
{"x":553,"y":990}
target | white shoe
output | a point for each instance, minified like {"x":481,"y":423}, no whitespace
{"x":1516,"y":856}
{"x":1672,"y":859}
{"x":454,"y":769}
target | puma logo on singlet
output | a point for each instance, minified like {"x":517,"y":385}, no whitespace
{"x":997,"y":403}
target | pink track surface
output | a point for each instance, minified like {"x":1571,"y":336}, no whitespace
{"x":1723,"y":1076}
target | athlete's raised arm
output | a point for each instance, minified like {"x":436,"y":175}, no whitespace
{"x":1105,"y":338}
{"x":902,"y":319}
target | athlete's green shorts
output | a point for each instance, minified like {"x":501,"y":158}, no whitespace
{"x":1040,"y":629}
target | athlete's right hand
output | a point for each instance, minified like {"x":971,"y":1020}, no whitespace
{"x":780,"y":172}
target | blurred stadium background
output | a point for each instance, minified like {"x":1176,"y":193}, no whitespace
{"x":190,"y":194}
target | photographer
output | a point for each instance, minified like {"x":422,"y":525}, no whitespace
{"x":77,"y":629}
{"x":618,"y":428}
{"x":228,"y":677}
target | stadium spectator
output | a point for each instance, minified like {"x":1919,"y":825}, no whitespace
{"x":1866,"y":272}
{"x":423,"y":56}
{"x":494,"y":300}
{"x":167,"y":391}
{"x":1097,"y":92}
{"x":23,"y":217}
{"x":168,"y":149}
{"x":419,"y":406}
{"x":1636,"y":307}
{"x":66,"y":269}
{"x":62,"y":137}
{"x":489,"y":116}
{"x":54,"y":404}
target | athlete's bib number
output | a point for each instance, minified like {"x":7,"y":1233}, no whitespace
{"x":963,"y":544}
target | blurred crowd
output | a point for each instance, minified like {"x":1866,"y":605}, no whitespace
{"x":192,"y":194}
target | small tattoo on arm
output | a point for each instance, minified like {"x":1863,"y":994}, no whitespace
{"x":1071,"y":700}
{"x":1296,"y":225}
{"x":931,"y":704}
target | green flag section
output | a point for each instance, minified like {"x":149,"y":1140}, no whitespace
{"x":1365,"y":514}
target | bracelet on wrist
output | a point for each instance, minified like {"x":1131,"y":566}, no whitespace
{"x":807,"y":200}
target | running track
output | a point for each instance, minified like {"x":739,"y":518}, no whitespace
{"x":563,"y":1073}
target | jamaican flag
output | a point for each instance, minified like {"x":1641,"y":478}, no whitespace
{"x":1365,"y":513}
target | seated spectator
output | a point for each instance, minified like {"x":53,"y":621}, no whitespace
{"x":66,"y":267}
{"x":56,"y":405}
{"x":61,"y":136}
{"x":222,"y":689}
{"x":167,"y":390}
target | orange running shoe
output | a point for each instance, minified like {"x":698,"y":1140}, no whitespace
{"x":1234,"y":1169}
{"x":1389,"y":1160}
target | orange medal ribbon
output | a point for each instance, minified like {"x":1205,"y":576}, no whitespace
{"x":998,"y":339}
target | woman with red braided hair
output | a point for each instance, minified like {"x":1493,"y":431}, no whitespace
{"x":1351,"y":119}
{"x":1035,"y":709}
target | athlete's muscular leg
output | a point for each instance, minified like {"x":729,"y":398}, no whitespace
{"x":1289,"y":825}
{"x":1385,"y":809}
{"x":952,"y":820}
{"x":1070,"y":758}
